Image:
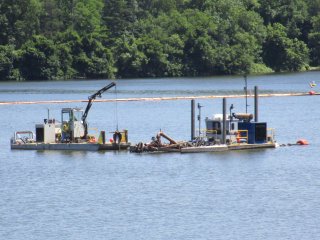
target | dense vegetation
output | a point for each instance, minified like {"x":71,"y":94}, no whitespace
{"x":59,"y":39}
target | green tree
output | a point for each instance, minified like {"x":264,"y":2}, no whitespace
{"x":39,"y":60}
{"x":92,"y":59}
{"x":129,"y":58}
{"x":314,"y":41}
{"x":119,"y":15}
{"x":290,"y":13}
{"x":8,"y":61}
{"x":238,"y":38}
{"x":19,"y":20}
{"x":87,"y":17}
{"x":58,"y":39}
{"x":50,"y":19}
{"x":282,"y":53}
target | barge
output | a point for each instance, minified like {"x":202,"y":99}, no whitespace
{"x":71,"y":133}
{"x":25,"y":140}
{"x":233,"y":131}
{"x":223,"y":132}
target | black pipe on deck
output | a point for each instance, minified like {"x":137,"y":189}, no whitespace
{"x":193,"y":110}
{"x":256,"y":107}
{"x":224,"y":127}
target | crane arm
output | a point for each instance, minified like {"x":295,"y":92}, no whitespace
{"x":91,"y":99}
{"x":102,"y":90}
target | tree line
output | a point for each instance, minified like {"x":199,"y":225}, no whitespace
{"x":58,"y":39}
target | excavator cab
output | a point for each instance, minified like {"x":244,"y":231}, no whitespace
{"x":72,"y":126}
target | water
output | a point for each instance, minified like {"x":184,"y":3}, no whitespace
{"x":261,"y":194}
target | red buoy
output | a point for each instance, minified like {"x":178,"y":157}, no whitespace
{"x":312,"y":93}
{"x":302,"y":142}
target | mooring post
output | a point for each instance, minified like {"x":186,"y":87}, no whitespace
{"x":246,"y":91}
{"x":103,"y":137}
{"x":193,"y":110}
{"x":224,"y":127}
{"x":256,"y":102}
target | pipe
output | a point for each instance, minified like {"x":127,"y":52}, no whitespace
{"x":256,"y":107}
{"x":193,"y":110}
{"x":162,"y":134}
{"x":224,"y":127}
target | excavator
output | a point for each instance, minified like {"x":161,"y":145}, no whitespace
{"x":71,"y":133}
{"x":74,"y":126}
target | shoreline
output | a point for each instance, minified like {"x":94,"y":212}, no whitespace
{"x":310,"y":69}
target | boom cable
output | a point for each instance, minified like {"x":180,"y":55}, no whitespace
{"x":116,"y":108}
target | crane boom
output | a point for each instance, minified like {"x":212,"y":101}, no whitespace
{"x":91,"y":99}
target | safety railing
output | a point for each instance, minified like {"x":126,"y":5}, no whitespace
{"x":206,"y":131}
{"x":270,"y":135}
{"x":242,"y":136}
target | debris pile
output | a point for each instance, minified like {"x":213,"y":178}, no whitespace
{"x":156,"y":145}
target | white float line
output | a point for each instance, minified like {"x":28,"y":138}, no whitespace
{"x":150,"y":99}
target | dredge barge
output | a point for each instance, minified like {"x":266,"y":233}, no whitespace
{"x":71,"y":133}
{"x":223,"y":132}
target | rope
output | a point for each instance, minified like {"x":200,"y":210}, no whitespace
{"x":116,"y":108}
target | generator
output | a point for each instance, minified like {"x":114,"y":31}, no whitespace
{"x":256,"y":131}
{"x":46,"y":132}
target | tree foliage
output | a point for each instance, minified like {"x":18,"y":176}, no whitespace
{"x":282,"y":53}
{"x":58,"y":39}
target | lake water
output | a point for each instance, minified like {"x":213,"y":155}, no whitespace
{"x":260,"y":194}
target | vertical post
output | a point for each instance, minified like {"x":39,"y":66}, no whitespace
{"x":125,"y":132}
{"x":199,"y":119}
{"x":256,"y":107}
{"x":224,"y":127}
{"x":103,"y":136}
{"x":246,"y":91}
{"x":193,"y":109}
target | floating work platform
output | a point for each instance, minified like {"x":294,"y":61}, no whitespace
{"x":24,"y":140}
{"x":71,"y":133}
{"x":71,"y":146}
{"x":231,"y":147}
{"x":213,"y":148}
{"x":243,"y":146}
{"x":225,"y":147}
{"x":157,"y":146}
{"x":223,"y":132}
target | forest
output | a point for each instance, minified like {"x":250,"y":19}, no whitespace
{"x":95,"y":39}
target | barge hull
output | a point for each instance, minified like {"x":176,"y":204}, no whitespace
{"x":223,"y":147}
{"x":214,"y":148}
{"x":251,"y":146}
{"x":71,"y":146}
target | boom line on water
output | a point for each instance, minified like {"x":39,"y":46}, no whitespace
{"x":153,"y":99}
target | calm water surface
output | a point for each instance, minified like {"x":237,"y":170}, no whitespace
{"x":262,"y":194}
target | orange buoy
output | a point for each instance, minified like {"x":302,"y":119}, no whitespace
{"x":302,"y":142}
